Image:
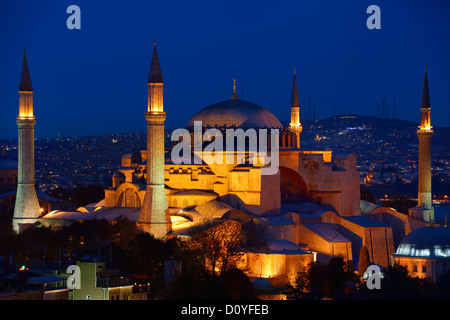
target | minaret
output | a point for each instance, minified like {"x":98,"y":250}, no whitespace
{"x":295,"y":125}
{"x":425,"y":133}
{"x":154,"y":217}
{"x":26,"y":209}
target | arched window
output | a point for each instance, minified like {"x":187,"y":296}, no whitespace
{"x":129,"y":198}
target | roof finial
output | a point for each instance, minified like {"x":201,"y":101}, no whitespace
{"x":24,"y":51}
{"x":295,"y":70}
{"x":234,"y":95}
{"x":426,"y":67}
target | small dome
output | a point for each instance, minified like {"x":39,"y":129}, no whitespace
{"x":426,"y":242}
{"x":235,"y":113}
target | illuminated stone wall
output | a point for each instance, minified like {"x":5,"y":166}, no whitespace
{"x":428,"y":268}
{"x":325,"y":248}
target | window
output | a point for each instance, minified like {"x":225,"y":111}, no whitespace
{"x":414,"y":268}
{"x":424,"y":268}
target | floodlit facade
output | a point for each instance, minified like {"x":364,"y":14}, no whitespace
{"x":309,"y":207}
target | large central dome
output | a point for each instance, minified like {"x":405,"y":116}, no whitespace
{"x":235,"y":113}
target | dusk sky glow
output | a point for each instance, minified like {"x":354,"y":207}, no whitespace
{"x":93,"y":81}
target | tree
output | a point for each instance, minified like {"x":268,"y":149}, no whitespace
{"x":397,"y":284}
{"x":364,"y":260}
{"x":194,"y":285}
{"x":146,"y":255}
{"x":219,"y":243}
{"x":443,"y":286}
{"x":325,"y":280}
{"x":34,"y":243}
{"x":8,"y":239}
{"x":237,"y":285}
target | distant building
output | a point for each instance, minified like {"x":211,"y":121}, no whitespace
{"x":425,"y":252}
{"x":25,"y":284}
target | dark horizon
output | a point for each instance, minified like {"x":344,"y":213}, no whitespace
{"x":283,"y":121}
{"x":92,"y":81}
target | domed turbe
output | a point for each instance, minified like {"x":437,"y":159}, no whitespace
{"x":426,"y":242}
{"x":235,"y":113}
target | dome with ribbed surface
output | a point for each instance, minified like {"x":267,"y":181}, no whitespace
{"x":426,"y":242}
{"x":235,"y":113}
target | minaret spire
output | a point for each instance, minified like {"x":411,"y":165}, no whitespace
{"x":155,"y":75}
{"x":294,"y":99}
{"x":425,"y":94}
{"x":25,"y":79}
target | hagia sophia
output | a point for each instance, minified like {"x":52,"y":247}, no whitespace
{"x":310,"y":209}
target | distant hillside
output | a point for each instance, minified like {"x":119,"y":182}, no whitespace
{"x":380,"y":129}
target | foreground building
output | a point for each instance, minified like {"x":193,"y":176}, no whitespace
{"x":98,"y":282}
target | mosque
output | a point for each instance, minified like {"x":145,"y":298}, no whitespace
{"x":309,"y":207}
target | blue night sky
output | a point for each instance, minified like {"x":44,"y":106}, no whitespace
{"x":93,"y":81}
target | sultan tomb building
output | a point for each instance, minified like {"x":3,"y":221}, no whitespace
{"x":310,"y":207}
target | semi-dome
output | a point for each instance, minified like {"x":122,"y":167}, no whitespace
{"x":235,"y":113}
{"x":425,"y":242}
